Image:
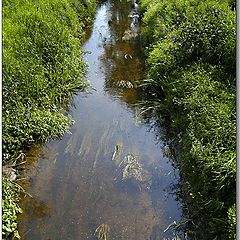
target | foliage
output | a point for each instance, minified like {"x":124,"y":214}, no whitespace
{"x":26,"y":126}
{"x":102,"y":231}
{"x":232,"y":221}
{"x":191,"y":48}
{"x":10,"y":208}
{"x":42,"y":67}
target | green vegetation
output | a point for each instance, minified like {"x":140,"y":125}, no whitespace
{"x":191,"y":45}
{"x":102,"y":231}
{"x":42,"y":67}
{"x":10,"y":209}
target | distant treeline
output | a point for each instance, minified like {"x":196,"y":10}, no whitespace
{"x":42,"y":66}
{"x":191,"y":58}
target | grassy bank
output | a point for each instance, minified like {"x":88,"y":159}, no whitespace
{"x":42,"y":67}
{"x":191,"y":45}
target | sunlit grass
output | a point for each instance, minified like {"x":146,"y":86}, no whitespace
{"x":42,"y":67}
{"x":191,"y":49}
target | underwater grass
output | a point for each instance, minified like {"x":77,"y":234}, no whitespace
{"x":42,"y":66}
{"x":191,"y":49}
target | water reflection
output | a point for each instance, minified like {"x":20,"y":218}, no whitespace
{"x":123,"y":62}
{"x":77,"y":182}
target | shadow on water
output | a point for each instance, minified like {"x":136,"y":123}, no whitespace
{"x":111,"y":169}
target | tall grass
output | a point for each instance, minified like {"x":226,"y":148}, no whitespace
{"x":191,"y":48}
{"x":42,"y":66}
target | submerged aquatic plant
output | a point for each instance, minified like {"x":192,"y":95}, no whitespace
{"x":116,"y":153}
{"x":125,"y":84}
{"x":129,"y":35}
{"x":175,"y":238}
{"x":131,"y":168}
{"x":102,"y":231}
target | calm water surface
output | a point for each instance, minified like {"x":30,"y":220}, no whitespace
{"x":111,"y":169}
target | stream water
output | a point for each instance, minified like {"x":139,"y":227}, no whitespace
{"x":111,"y":170}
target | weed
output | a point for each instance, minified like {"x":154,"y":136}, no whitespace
{"x":102,"y":231}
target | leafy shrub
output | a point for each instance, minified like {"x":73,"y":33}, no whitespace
{"x":161,"y":17}
{"x":209,"y":36}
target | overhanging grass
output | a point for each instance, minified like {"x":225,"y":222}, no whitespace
{"x":191,"y":49}
{"x":42,"y":66}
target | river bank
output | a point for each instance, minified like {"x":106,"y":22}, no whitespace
{"x":110,"y":176}
{"x":191,"y":50}
{"x":115,"y":172}
{"x":42,"y":67}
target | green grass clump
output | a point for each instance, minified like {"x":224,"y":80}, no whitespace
{"x":23,"y":127}
{"x":42,"y":66}
{"x":191,"y":49}
{"x":10,"y":208}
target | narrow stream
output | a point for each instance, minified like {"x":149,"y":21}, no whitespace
{"x":111,"y":170}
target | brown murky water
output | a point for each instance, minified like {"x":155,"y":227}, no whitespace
{"x":110,"y":170}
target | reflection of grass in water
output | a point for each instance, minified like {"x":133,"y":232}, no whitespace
{"x":108,"y":136}
{"x":104,"y":140}
{"x":102,"y":231}
{"x":117,"y":153}
{"x":71,"y":145}
{"x":123,"y":126}
{"x":96,"y":159}
{"x":138,"y":117}
{"x":86,"y":144}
